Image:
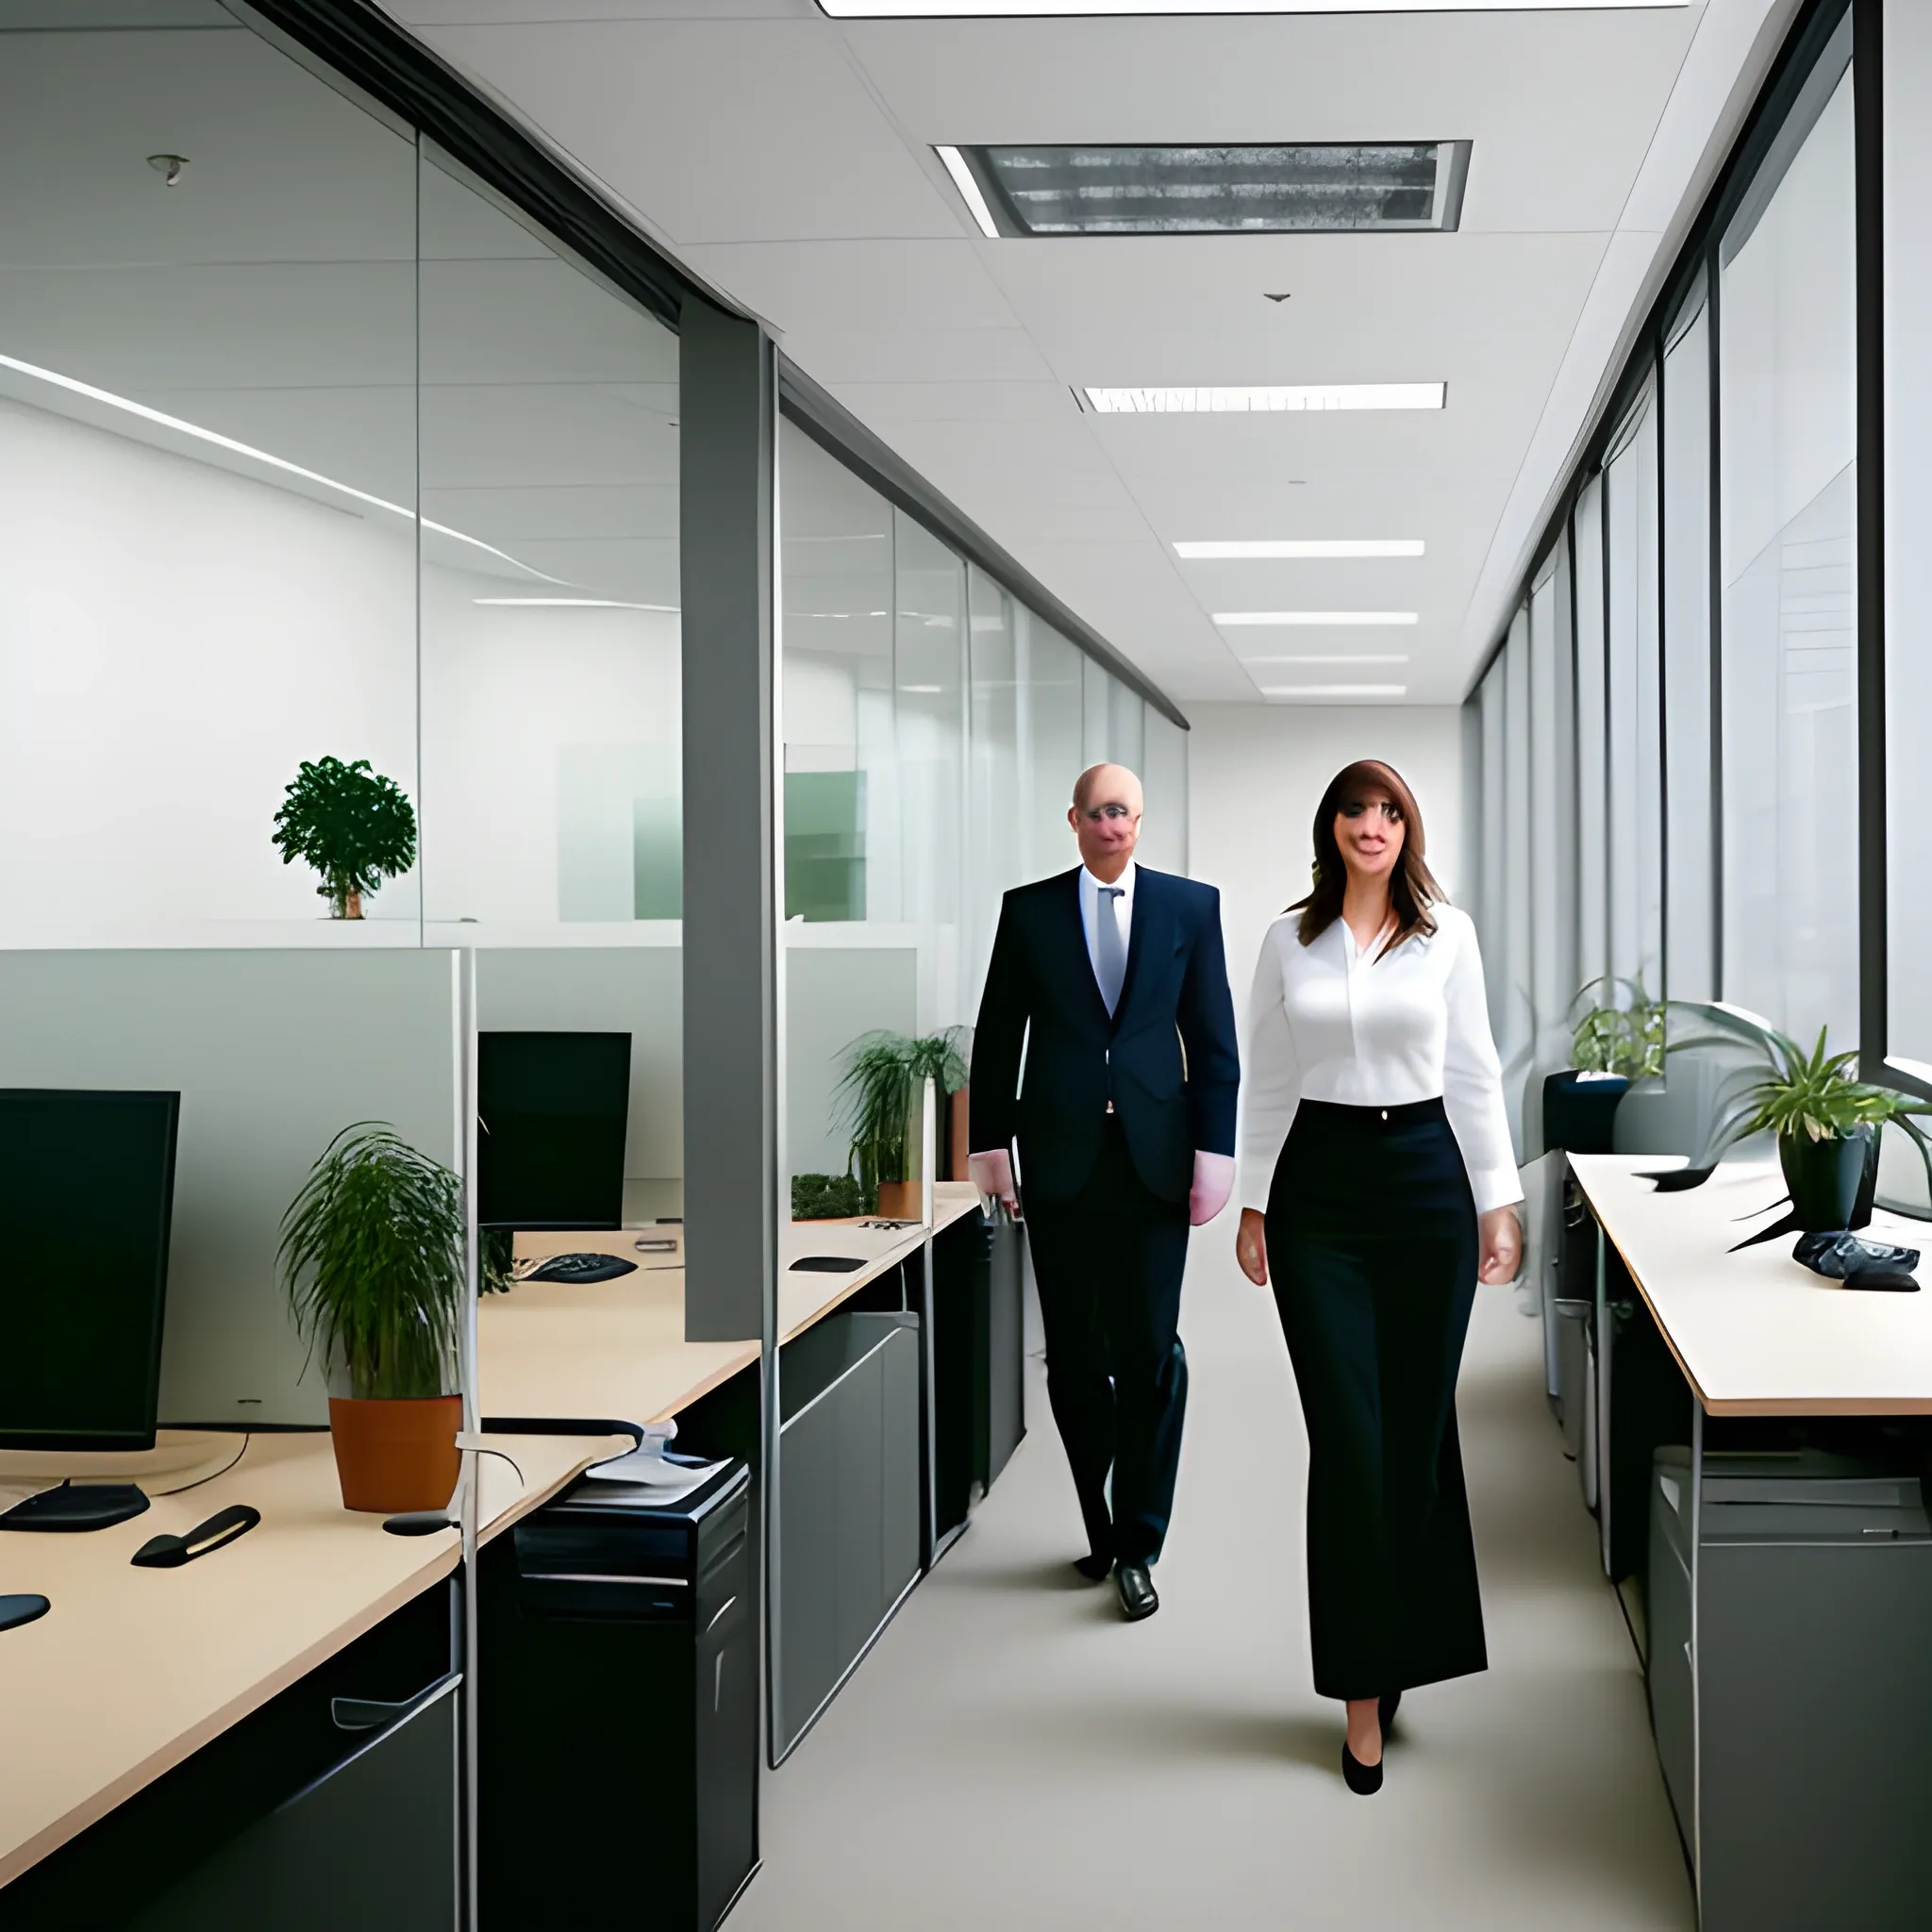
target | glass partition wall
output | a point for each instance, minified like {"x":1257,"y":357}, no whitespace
{"x":1699,"y":598}
{"x":933,"y":726}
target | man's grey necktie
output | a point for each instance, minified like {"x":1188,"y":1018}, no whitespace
{"x":1112,"y":969}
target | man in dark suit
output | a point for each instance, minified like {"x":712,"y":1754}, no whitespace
{"x":1112,"y":979}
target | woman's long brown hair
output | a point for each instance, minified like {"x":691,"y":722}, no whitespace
{"x":1412,"y":888}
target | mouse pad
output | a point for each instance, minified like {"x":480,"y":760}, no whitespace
{"x":21,"y":1609}
{"x":827,"y":1264}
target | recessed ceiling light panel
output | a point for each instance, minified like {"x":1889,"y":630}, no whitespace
{"x":1296,"y":547}
{"x":1338,"y":658}
{"x":1333,"y":691}
{"x":1232,"y":619}
{"x":1266,"y":399}
{"x":1031,"y":10}
{"x":1276,"y":187}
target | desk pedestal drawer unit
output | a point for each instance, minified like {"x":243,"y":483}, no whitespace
{"x":1813,"y":1688}
{"x":849,"y":1501}
{"x":331,"y":1809}
{"x":978,"y":1362}
{"x":618,"y":1686}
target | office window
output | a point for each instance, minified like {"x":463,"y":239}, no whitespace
{"x":1055,"y":740}
{"x":1593,"y":738}
{"x":208,"y":479}
{"x":1517,"y":1038}
{"x":1635,"y":702}
{"x":1787,"y":374}
{"x":995,"y":858}
{"x":1690,"y":886}
{"x":1096,"y":713}
{"x":1493,"y":885}
{"x":1551,"y":959}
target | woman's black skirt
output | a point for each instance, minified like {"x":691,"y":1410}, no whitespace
{"x":1372,"y":1248}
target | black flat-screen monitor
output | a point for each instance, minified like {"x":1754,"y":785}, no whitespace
{"x":86,"y":1197}
{"x":552,"y":1110}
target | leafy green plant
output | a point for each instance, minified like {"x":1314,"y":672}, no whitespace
{"x":1623,"y":1034}
{"x":874,"y":1094}
{"x":1782,"y":1089}
{"x":353,"y":825}
{"x":371,"y":1259}
{"x":496,"y":1259}
{"x":829,"y":1197}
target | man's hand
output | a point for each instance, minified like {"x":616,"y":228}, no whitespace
{"x":1213,"y":1184}
{"x":993,"y":1174}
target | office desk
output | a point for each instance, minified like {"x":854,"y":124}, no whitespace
{"x":132,"y":1671}
{"x":616,"y":1349}
{"x":1779,"y":1642}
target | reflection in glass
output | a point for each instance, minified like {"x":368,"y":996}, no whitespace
{"x":1788,"y":376}
{"x":551,"y":720}
{"x":207,"y":477}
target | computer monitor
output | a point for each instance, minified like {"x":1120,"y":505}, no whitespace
{"x":86,"y":1197}
{"x":553,"y":1108}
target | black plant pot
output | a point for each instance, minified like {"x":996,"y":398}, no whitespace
{"x":1832,"y":1182}
{"x":1580,"y":1115}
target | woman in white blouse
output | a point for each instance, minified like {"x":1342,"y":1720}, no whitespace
{"x":1379,"y":1182}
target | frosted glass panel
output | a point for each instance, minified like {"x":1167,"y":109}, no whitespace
{"x":1592,"y":748}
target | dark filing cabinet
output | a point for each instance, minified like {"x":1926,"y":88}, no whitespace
{"x":619,"y":1733}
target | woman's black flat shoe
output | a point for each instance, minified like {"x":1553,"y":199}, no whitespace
{"x":1364,"y":1780}
{"x":1385,"y":1710}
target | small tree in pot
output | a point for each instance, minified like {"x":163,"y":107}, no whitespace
{"x":1826,"y":1121}
{"x":884,"y":1076}
{"x":372,"y":1258}
{"x":353,"y":825}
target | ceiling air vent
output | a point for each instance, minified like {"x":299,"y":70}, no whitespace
{"x":1310,"y":188}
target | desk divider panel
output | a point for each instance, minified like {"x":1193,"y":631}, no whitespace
{"x":272,"y":1054}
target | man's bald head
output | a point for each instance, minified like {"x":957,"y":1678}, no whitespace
{"x":1111,"y":781}
{"x":1106,"y":818}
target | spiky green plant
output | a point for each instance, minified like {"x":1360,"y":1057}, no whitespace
{"x":371,"y":1259}
{"x":354,"y":827}
{"x":1782,"y":1089}
{"x":1623,"y":1034}
{"x":882,"y":1073}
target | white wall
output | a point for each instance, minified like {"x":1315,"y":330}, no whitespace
{"x":1256,"y":773}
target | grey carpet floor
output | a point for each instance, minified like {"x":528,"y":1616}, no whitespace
{"x":1012,"y":1756}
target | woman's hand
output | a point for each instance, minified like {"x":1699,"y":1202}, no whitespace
{"x":1250,"y":1246}
{"x":1501,"y":1238}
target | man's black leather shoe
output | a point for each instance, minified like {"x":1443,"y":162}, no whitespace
{"x":1136,"y":1590}
{"x":1094,"y":1567}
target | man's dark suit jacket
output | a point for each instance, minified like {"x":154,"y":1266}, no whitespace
{"x":1167,"y":1057}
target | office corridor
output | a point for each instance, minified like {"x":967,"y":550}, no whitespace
{"x":1014,"y":1757}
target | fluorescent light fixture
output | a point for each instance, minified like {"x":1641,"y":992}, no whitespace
{"x":969,"y":191}
{"x":1231,"y":619}
{"x":1267,"y":399}
{"x":257,"y":456}
{"x":1304,"y":547}
{"x":1033,"y":10}
{"x":569,"y":604}
{"x":1054,"y":189}
{"x":923,"y":691}
{"x":1333,"y":691}
{"x":1338,"y":658}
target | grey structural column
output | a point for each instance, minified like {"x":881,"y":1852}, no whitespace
{"x":727,"y":412}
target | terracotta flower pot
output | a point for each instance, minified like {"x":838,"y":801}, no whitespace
{"x":899,"y":1199}
{"x":396,"y":1454}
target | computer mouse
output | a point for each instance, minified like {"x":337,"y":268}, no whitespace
{"x":21,"y":1609}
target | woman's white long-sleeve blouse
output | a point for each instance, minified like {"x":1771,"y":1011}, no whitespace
{"x":1327,"y":1022}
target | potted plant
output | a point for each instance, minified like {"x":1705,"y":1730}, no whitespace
{"x":353,"y":825}
{"x":884,"y":1076}
{"x":372,"y":1258}
{"x":1826,"y":1121}
{"x":1618,"y":1041}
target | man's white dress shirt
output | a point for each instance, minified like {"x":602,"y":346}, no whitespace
{"x":1329,"y":1021}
